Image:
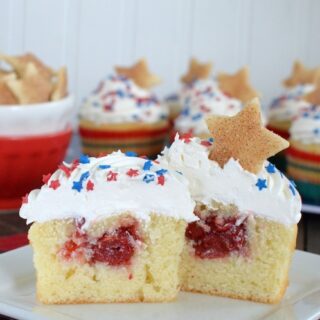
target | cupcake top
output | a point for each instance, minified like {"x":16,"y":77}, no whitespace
{"x":118,"y":99}
{"x":95,"y":188}
{"x":230,"y":167}
{"x":290,"y":103}
{"x":199,"y":99}
{"x":306,"y":126}
{"x":268,"y":194}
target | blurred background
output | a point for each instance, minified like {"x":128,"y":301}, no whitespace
{"x":91,"y":36}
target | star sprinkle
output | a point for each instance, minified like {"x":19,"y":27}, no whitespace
{"x":302,"y":75}
{"x":54,"y":184}
{"x":84,"y":159}
{"x":104,"y":166}
{"x":314,"y":96}
{"x":132,"y":173}
{"x":197,"y":71}
{"x":140,"y":74}
{"x":78,"y":185}
{"x":161,"y":180}
{"x":244,"y":138}
{"x":148,"y":178}
{"x":186,"y":137}
{"x":131,"y":154}
{"x":261,"y":184}
{"x":271,"y":168}
{"x":46,"y":178}
{"x":112,"y":176}
{"x":90,"y":185}
{"x":161,"y":172}
{"x":237,"y":85}
{"x":147,"y":165}
{"x":25,"y":199}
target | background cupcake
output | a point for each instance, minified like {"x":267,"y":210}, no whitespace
{"x":206,"y":97}
{"x":35,"y":124}
{"x":196,"y":71}
{"x":287,"y":106}
{"x":304,"y":153}
{"x":122,"y":114}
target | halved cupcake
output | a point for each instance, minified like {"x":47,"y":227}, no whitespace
{"x":108,"y":229}
{"x":121,"y":114}
{"x":242,"y":244}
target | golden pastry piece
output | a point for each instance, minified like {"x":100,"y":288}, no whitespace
{"x":314,"y":96}
{"x":140,"y":74}
{"x":237,"y":85}
{"x":60,"y":87}
{"x":302,"y":75}
{"x":197,"y":71}
{"x":19,"y":64}
{"x":32,"y":87}
{"x":244,"y":138}
{"x":6,"y":96}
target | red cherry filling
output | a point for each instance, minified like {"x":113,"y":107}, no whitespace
{"x":217,"y":237}
{"x":113,"y":248}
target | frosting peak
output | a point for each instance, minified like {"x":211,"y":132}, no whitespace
{"x":93,"y":188}
{"x":119,"y":99}
{"x":268,"y":194}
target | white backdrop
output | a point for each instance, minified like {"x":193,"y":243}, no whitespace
{"x":91,"y":36}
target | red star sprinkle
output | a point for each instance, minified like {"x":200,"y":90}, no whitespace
{"x":186,"y":137}
{"x":204,"y":108}
{"x":46,"y":178}
{"x":90,"y":185}
{"x":25,"y":199}
{"x":65,"y":169}
{"x":54,"y":184}
{"x":161,"y":180}
{"x":132,"y":173}
{"x":206,"y":143}
{"x":112,"y":176}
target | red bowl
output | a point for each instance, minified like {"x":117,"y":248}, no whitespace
{"x":23,"y":162}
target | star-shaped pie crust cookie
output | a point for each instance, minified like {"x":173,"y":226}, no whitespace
{"x":237,"y":85}
{"x":302,"y":75}
{"x":314,"y":96}
{"x":243,"y":138}
{"x":140,"y":74}
{"x":196,"y":71}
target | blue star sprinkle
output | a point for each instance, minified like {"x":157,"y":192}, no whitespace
{"x":78,"y":185}
{"x":211,"y":140}
{"x":185,"y":112}
{"x":84,"y":159}
{"x":161,"y":172}
{"x":130,"y":154}
{"x":271,"y":168}
{"x":197,"y":116}
{"x":148,"y":178}
{"x":147,"y":165}
{"x":261,"y":184}
{"x":104,"y":166}
{"x":316,"y":130}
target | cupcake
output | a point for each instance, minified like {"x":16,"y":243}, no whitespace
{"x":303,"y":155}
{"x":286,"y":107}
{"x":206,"y":97}
{"x":242,"y":245}
{"x":36,"y":114}
{"x":108,"y":229}
{"x":196,"y":71}
{"x":122,"y":114}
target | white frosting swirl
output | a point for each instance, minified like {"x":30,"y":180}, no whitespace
{"x":200,"y":99}
{"x":306,"y":127}
{"x":268,"y":194}
{"x":118,"y":99}
{"x":289,"y":104}
{"x":149,"y":189}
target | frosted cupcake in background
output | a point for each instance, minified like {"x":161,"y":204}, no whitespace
{"x":121,"y":114}
{"x":196,"y":71}
{"x":304,"y":154}
{"x":288,"y":105}
{"x":209,"y":97}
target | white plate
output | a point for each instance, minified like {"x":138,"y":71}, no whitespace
{"x":17,"y":298}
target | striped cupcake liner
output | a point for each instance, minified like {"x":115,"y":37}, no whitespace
{"x":304,"y":168}
{"x":148,"y":142}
